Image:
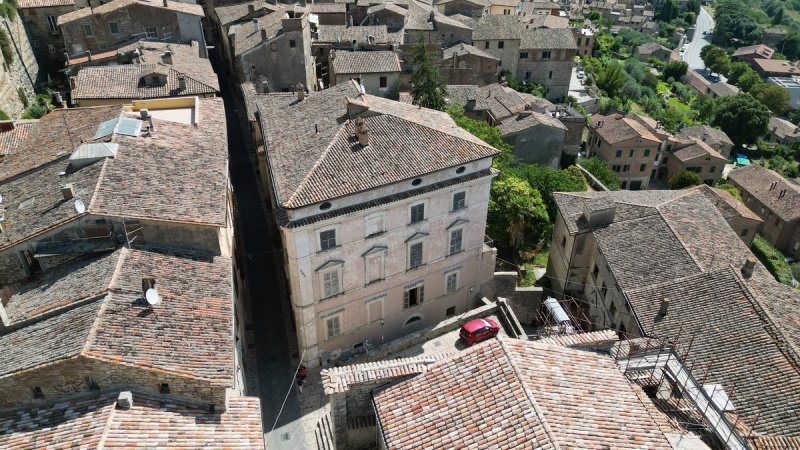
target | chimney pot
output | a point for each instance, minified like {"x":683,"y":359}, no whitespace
{"x":165,"y":3}
{"x":301,"y":92}
{"x":263,"y":35}
{"x":89,"y":55}
{"x":125,"y":400}
{"x":748,"y":267}
{"x":67,"y":192}
{"x":182,"y":82}
{"x":664,"y":308}
{"x":251,"y":8}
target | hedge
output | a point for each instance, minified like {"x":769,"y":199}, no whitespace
{"x":772,"y":259}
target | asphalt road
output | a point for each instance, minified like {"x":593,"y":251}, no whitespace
{"x":692,"y":55}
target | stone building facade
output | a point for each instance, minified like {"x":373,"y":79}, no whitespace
{"x":121,"y":21}
{"x":40,"y":19}
{"x":547,"y":57}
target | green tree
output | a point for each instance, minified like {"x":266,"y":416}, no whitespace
{"x":668,"y":11}
{"x":672,"y":119}
{"x":791,"y":46}
{"x":602,"y":172}
{"x":743,"y":76}
{"x":547,"y":180}
{"x":778,"y":18}
{"x":704,"y":105}
{"x":487,"y":133}
{"x":611,"y":78}
{"x":517,"y":217}
{"x":675,"y":69}
{"x":735,"y":20}
{"x":715,"y":59}
{"x":731,"y":189}
{"x":4,"y":116}
{"x":749,"y":80}
{"x":773,"y":97}
{"x":684,"y":179}
{"x":742,"y":117}
{"x":427,"y":85}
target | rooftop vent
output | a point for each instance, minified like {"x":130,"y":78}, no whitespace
{"x":166,"y":57}
{"x":748,"y":267}
{"x":256,"y":26}
{"x":362,"y":133}
{"x":182,"y":81}
{"x":301,"y":92}
{"x":67,"y":191}
{"x":125,"y":400}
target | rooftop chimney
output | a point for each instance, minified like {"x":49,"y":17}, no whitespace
{"x":125,"y":400}
{"x":264,"y":36}
{"x":362,"y":133}
{"x":165,"y":4}
{"x":782,"y":194}
{"x":301,"y":92}
{"x":67,"y":191}
{"x":89,"y":54}
{"x":251,"y":8}
{"x":166,"y":57}
{"x":664,"y":308}
{"x":182,"y":81}
{"x":748,"y":267}
{"x":256,"y":26}
{"x":599,"y":211}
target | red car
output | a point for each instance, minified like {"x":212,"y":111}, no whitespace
{"x":478,"y":330}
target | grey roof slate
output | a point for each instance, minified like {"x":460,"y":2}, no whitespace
{"x":494,"y":27}
{"x":405,"y":142}
{"x":522,"y":122}
{"x":715,"y":136}
{"x":756,"y":181}
{"x":465,"y":49}
{"x":342,"y":33}
{"x":697,"y":150}
{"x":126,"y":82}
{"x":365,"y":62}
{"x":544,"y":39}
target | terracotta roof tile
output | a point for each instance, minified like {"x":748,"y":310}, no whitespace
{"x":697,"y":150}
{"x":522,"y":122}
{"x":517,"y":394}
{"x":715,"y":136}
{"x":618,"y":128}
{"x":547,"y":38}
{"x":127,"y":82}
{"x":13,"y":134}
{"x":150,"y":422}
{"x":339,"y":379}
{"x":313,"y":162}
{"x":22,"y":4}
{"x":465,"y":49}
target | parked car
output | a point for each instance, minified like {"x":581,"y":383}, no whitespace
{"x":581,"y":74}
{"x":478,"y":330}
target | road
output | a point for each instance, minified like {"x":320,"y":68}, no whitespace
{"x":692,"y":55}
{"x":265,"y":295}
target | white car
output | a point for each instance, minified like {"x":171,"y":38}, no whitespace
{"x":581,"y":74}
{"x":683,"y":49}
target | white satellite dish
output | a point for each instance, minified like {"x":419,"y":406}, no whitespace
{"x":152,"y":297}
{"x":80,"y":208}
{"x":1,"y":198}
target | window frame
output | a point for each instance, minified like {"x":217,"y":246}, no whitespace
{"x":380,"y":218}
{"x":326,"y":269}
{"x":335,"y":230}
{"x":379,"y":252}
{"x":452,"y":233}
{"x":111,"y":28}
{"x":547,"y":55}
{"x":147,"y":33}
{"x":424,"y":205}
{"x":501,"y":44}
{"x":52,"y":23}
{"x":453,"y":205}
{"x":337,"y":319}
{"x":383,"y":82}
{"x":87,"y":30}
{"x":447,"y":277}
{"x":420,"y":296}
{"x":409,"y":248}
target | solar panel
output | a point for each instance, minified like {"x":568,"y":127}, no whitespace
{"x":105,"y":128}
{"x":128,"y":127}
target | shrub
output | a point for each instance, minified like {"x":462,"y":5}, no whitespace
{"x":5,"y":48}
{"x":602,"y":172}
{"x":23,"y":97}
{"x":4,"y":116}
{"x":684,"y":179}
{"x":772,"y":259}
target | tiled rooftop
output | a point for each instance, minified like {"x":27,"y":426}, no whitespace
{"x":188,"y":163}
{"x":229,"y":14}
{"x":756,"y":181}
{"x":365,"y":62}
{"x":96,"y":422}
{"x":522,"y":122}
{"x":517,"y":394}
{"x":22,"y":4}
{"x":88,"y":311}
{"x":783,"y":128}
{"x":546,"y":38}
{"x":465,"y":49}
{"x":339,"y":379}
{"x":493,"y":27}
{"x":727,"y":205}
{"x":341,"y":33}
{"x":165,"y":5}
{"x":677,"y":244}
{"x":757,"y":51}
{"x":618,"y":128}
{"x":244,"y":36}
{"x":12,"y":134}
{"x":127,"y":82}
{"x":714,"y":136}
{"x":697,"y":150}
{"x":312,"y":160}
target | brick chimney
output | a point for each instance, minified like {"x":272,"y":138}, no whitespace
{"x":663,"y":309}
{"x":362,"y":133}
{"x":748,"y":267}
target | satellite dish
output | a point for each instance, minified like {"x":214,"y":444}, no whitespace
{"x":152,"y":297}
{"x":80,"y":208}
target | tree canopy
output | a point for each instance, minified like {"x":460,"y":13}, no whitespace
{"x":602,"y":172}
{"x":715,"y":59}
{"x":773,"y":97}
{"x":547,"y":180}
{"x":611,"y":79}
{"x":675,"y":70}
{"x":684,"y":179}
{"x":742,"y":117}
{"x":427,"y":85}
{"x":517,"y":215}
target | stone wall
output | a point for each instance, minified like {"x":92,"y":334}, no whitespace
{"x":69,"y":376}
{"x":524,"y":302}
{"x":48,"y":45}
{"x":21,"y":73}
{"x":11,"y":268}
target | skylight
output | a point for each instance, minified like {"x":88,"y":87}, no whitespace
{"x":105,"y":128}
{"x":27,"y":203}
